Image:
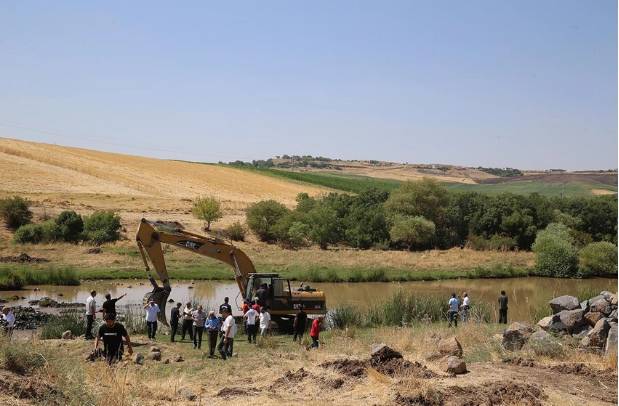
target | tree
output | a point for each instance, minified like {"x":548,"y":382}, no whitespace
{"x":555,"y":254}
{"x":262,"y":216}
{"x":70,"y":225}
{"x":207,"y":209}
{"x":324,"y":225}
{"x":412,"y":231}
{"x":15,"y":211}
{"x":598,"y":259}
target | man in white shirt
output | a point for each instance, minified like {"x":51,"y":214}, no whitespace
{"x":91,"y":311}
{"x":152,"y":309}
{"x":228,"y":330}
{"x":466,"y":305}
{"x":265,"y":321}
{"x":452,"y":314}
{"x":250,"y":324}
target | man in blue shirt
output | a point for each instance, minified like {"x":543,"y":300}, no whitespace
{"x":452,"y":314}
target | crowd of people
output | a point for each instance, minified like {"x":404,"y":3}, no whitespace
{"x":459,"y":307}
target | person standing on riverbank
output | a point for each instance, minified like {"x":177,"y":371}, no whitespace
{"x":265,"y":321}
{"x":112,"y":334}
{"x":9,"y":318}
{"x":464,"y":309}
{"x":503,"y":307}
{"x":315,"y":332}
{"x":213,"y":326}
{"x":109,"y":306}
{"x":175,"y":315}
{"x":452,"y":313}
{"x":199,"y":320}
{"x":91,"y":311}
{"x":251,"y":326}
{"x":298,"y":325}
{"x":187,"y":322}
{"x":152,"y":309}
{"x":228,"y":330}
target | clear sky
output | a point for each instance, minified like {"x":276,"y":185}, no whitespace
{"x":526,"y":83}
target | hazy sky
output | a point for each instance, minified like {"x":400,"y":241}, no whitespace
{"x":527,"y":84}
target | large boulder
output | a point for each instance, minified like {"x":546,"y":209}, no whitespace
{"x":450,"y":346}
{"x":574,"y":320}
{"x":593,"y":317}
{"x":564,"y":303}
{"x":600,"y":305}
{"x":552,"y":324}
{"x":545,"y":344}
{"x":597,"y":336}
{"x":456,"y":365}
{"x":516,"y":335}
{"x":611,"y":340}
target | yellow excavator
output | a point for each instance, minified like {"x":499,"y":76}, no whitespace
{"x":283,"y":301}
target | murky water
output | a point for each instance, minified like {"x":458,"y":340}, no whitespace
{"x":525,"y":294}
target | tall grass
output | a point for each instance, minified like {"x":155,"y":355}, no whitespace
{"x":134,"y":319}
{"x":15,"y":278}
{"x":58,"y":324}
{"x":402,"y":309}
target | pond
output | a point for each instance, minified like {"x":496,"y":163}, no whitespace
{"x":525,"y":294}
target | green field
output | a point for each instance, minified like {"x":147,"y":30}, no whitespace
{"x":355,"y":184}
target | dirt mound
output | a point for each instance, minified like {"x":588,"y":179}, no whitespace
{"x":22,"y":259}
{"x":349,"y":367}
{"x":290,"y":378}
{"x":607,"y":376}
{"x":487,"y":394}
{"x":523,"y":362}
{"x":402,"y":367}
{"x":233,"y":392}
{"x":22,"y":387}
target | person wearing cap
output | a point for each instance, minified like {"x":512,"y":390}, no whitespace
{"x":112,"y":334}
{"x":152,"y":309}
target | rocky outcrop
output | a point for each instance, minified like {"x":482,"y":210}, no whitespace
{"x":573,"y":320}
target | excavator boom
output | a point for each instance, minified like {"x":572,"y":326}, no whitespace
{"x":151,"y":235}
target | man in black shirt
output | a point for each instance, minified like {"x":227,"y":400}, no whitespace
{"x":299,"y":323}
{"x":112,"y":334}
{"x":503,"y":308}
{"x":225,"y":305}
{"x":174,"y":317}
{"x":109,"y":306}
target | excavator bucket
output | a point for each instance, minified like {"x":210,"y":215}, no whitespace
{"x":160,"y":296}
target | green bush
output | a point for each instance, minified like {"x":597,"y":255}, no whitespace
{"x":207,"y":209}
{"x":412,"y":231}
{"x":11,"y":280}
{"x":70,"y":225}
{"x":29,"y":234}
{"x":15,"y":211}
{"x":598,"y":259}
{"x":101,"y":227}
{"x":262,"y":216}
{"x":555,"y":254}
{"x":58,"y":324}
{"x":344,"y":316}
{"x":236,"y":231}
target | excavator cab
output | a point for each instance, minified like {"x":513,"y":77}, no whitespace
{"x":269,"y":290}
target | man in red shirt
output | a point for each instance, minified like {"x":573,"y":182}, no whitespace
{"x":255,"y":306}
{"x":245,"y":306}
{"x":315,"y":331}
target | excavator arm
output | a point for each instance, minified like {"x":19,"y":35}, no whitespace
{"x":151,"y":235}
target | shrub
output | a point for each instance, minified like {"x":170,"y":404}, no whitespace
{"x":70,"y":225}
{"x":11,"y":280}
{"x":15,"y":211}
{"x":598,"y":259}
{"x":262,"y":216}
{"x":297,"y":234}
{"x":29,"y":233}
{"x":19,"y":358}
{"x":207,"y":209}
{"x":324,"y":226}
{"x":412,"y":231}
{"x":101,"y":227}
{"x":555,"y":253}
{"x":344,"y":316}
{"x":56,"y":325}
{"x":50,"y":231}
{"x":236,"y":231}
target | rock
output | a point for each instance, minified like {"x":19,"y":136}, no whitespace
{"x":607,"y":295}
{"x":611,"y":340}
{"x":187,"y":394}
{"x":382,"y":353}
{"x":564,"y":303}
{"x":516,"y":335}
{"x":154,"y":356}
{"x":456,"y":365}
{"x":189,"y":287}
{"x":592,"y":317}
{"x":574,"y":320}
{"x":583,"y":333}
{"x":93,"y":250}
{"x":167,"y":361}
{"x":170,"y":300}
{"x":546,"y":322}
{"x":597,"y":336}
{"x":585,"y":305}
{"x":613,"y":300}
{"x":612,"y":316}
{"x":450,"y":346}
{"x":67,"y":335}
{"x":155,"y":349}
{"x":138,"y":359}
{"x":178,"y":358}
{"x":543,"y":343}
{"x":600,"y":305}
